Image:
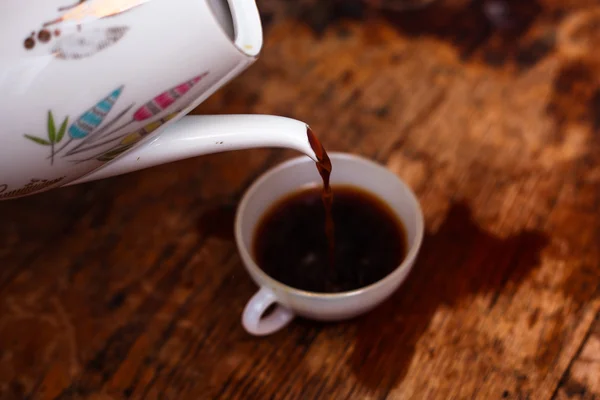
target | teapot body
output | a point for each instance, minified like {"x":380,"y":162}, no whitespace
{"x":83,"y":83}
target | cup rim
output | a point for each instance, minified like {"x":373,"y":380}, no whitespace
{"x":251,"y":264}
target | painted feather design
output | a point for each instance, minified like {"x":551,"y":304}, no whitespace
{"x":159,"y":103}
{"x":127,"y":140}
{"x":165,"y":99}
{"x":84,"y":44}
{"x":150,"y":109}
{"x":93,"y":117}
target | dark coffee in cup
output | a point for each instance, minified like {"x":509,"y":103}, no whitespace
{"x":290,"y":242}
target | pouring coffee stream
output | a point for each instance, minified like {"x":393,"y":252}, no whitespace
{"x":324,"y":167}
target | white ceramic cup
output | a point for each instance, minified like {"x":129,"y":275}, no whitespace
{"x":289,"y":177}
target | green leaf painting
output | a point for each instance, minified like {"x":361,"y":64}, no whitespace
{"x":54,"y":137}
{"x":38,"y":140}
{"x":62,"y":130}
{"x":51,"y":128}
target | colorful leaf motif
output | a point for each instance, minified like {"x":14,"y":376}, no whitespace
{"x":87,"y":126}
{"x":110,"y":123}
{"x":128,"y":139}
{"x":51,"y":128}
{"x":93,"y":117}
{"x":38,"y":140}
{"x":87,"y":43}
{"x":165,"y":99}
{"x":156,"y":105}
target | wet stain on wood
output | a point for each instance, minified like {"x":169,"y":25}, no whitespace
{"x":457,"y":262}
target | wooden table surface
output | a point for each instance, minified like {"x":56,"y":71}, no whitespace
{"x":131,"y":287}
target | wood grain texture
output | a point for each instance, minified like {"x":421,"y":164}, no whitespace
{"x":131,"y":287}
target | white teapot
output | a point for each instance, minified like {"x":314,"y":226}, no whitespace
{"x":99,"y":87}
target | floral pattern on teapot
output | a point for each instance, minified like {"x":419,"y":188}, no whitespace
{"x":94,"y":131}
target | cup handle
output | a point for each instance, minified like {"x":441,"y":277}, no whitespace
{"x":256,"y":307}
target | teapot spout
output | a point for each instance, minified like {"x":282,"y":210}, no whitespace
{"x":196,"y":135}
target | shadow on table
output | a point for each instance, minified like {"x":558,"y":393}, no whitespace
{"x":456,"y":263}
